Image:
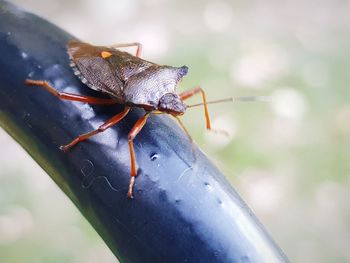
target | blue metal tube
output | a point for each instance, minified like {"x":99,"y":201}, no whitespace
{"x":183,"y":211}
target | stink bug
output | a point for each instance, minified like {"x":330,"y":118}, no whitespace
{"x":128,"y":80}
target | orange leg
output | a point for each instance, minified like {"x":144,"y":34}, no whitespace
{"x":132,"y":134}
{"x":189,"y":93}
{"x":137,"y":44}
{"x":112,"y":121}
{"x":184,"y":128}
{"x":69,"y":96}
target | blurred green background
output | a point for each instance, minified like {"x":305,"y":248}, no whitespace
{"x":288,"y":158}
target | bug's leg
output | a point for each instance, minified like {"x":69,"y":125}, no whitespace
{"x":134,"y":44}
{"x":189,"y":93}
{"x":132,"y":134}
{"x":69,"y":96}
{"x":184,"y":128}
{"x":112,"y":121}
{"x":188,"y":135}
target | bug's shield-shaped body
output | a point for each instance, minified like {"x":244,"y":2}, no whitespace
{"x":128,"y":79}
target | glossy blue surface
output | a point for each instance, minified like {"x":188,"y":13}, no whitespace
{"x":183,"y":211}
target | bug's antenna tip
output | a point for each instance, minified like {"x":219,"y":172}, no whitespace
{"x":253,"y":98}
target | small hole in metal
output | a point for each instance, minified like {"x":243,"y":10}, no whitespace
{"x":154,"y":156}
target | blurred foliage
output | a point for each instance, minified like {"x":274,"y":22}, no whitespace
{"x":289,"y":158}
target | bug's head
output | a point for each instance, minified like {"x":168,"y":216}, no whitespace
{"x":172,"y":104}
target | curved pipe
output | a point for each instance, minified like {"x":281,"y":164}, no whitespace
{"x":183,"y":211}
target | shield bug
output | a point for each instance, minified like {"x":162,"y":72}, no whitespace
{"x":128,"y":80}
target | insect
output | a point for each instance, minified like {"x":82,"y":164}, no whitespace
{"x":128,"y":80}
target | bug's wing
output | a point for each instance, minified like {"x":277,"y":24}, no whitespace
{"x":93,"y":70}
{"x":127,"y":65}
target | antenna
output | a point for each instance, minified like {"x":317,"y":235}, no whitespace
{"x":233,"y":99}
